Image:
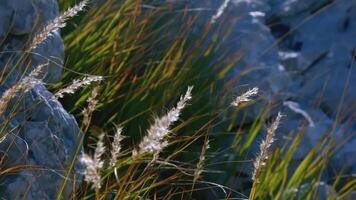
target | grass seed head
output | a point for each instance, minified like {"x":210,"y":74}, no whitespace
{"x":156,"y":139}
{"x":263,"y":156}
{"x":245,"y":97}
{"x":56,"y":24}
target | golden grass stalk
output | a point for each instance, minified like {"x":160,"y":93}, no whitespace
{"x":263,"y":156}
{"x":156,"y":139}
{"x":56,"y":24}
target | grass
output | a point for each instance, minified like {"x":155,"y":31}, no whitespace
{"x":148,"y":57}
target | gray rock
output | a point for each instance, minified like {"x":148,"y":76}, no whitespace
{"x":301,"y":51}
{"x":44,"y":137}
{"x":37,"y":13}
{"x":317,"y":71}
{"x":287,"y":8}
{"x":321,"y":190}
{"x":5,"y":16}
{"x":24,"y":17}
{"x":37,"y":134}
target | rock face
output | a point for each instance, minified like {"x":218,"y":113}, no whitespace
{"x":301,"y":53}
{"x":39,"y":138}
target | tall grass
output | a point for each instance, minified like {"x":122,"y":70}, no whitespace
{"x":146,"y":58}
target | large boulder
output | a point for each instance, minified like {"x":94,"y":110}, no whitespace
{"x":301,"y":54}
{"x":39,"y":139}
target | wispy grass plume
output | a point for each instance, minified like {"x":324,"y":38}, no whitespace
{"x":11,"y":93}
{"x":95,"y":164}
{"x":263,"y":156}
{"x":116,"y":146}
{"x":245,"y":97}
{"x":35,"y":74}
{"x":22,"y":85}
{"x":56,"y":24}
{"x":76,"y":84}
{"x":155,"y":140}
{"x":202,"y":158}
{"x":87,"y":112}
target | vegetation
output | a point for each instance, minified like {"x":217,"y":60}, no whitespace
{"x":149,"y":135}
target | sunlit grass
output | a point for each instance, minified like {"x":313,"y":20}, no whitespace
{"x":148,"y":57}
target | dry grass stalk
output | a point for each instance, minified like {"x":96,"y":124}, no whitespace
{"x":263,"y":156}
{"x":24,"y":84}
{"x":56,"y":24}
{"x":220,"y":11}
{"x":202,"y":158}
{"x":116,"y":146}
{"x":87,"y":112}
{"x":76,"y":84}
{"x":35,"y":74}
{"x":156,"y":139}
{"x":10,"y":93}
{"x":95,"y":164}
{"x":245,"y":97}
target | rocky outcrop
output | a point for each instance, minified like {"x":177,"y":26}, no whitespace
{"x":39,"y":138}
{"x":301,"y":53}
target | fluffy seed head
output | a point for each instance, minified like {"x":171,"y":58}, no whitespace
{"x":22,"y":85}
{"x":261,"y":159}
{"x":76,"y":84}
{"x":156,"y":139}
{"x":56,"y":24}
{"x":92,"y":102}
{"x":10,"y":93}
{"x":95,"y":164}
{"x":99,"y":151}
{"x":245,"y":97}
{"x":116,"y":146}
{"x":36,"y":72}
{"x":91,"y":172}
{"x":202,"y":158}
